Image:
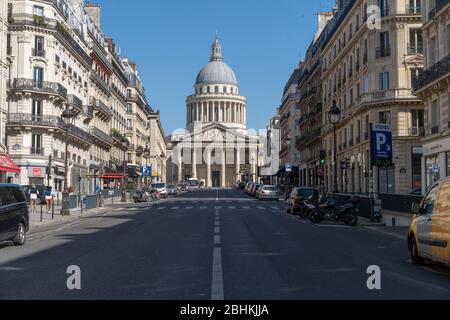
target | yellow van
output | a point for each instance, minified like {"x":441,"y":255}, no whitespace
{"x":429,"y":234}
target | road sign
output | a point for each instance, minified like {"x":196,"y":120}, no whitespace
{"x":147,"y":171}
{"x":381,"y":144}
{"x":436,"y":168}
{"x":289,"y":167}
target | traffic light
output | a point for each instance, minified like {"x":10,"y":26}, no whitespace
{"x":323,"y":157}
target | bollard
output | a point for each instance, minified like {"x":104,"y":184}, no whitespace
{"x":42,"y":206}
{"x":394,"y":222}
{"x":57,"y":198}
{"x":112,"y":198}
{"x":81,"y":204}
{"x":53,"y":209}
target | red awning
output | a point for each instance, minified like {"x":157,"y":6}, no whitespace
{"x":6,"y":164}
{"x":110,"y":176}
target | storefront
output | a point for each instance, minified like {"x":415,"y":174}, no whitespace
{"x":435,"y":162}
{"x":7,"y":167}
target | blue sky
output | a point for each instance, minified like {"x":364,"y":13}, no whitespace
{"x":170,"y":41}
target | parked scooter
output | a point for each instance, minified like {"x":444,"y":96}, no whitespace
{"x":155,"y":195}
{"x":141,"y":195}
{"x":331,"y":210}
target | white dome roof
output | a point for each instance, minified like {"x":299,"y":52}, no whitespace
{"x":216,"y":72}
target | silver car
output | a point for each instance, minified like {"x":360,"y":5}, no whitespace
{"x":268,"y":192}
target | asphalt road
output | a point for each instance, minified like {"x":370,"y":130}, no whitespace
{"x":216,"y":244}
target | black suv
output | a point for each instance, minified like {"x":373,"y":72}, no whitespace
{"x":14,"y":216}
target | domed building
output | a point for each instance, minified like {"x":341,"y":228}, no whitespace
{"x":216,"y":97}
{"x":216,"y":149}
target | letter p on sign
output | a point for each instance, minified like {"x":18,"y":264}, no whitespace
{"x":381,"y":140}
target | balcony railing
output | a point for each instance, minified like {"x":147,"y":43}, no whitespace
{"x":439,"y":5}
{"x":390,"y":94}
{"x":417,"y":132}
{"x":37,"y":151}
{"x":414,"y":9}
{"x":433,"y":73}
{"x":40,"y":86}
{"x":383,"y":52}
{"x":100,"y":106}
{"x":415,"y":48}
{"x":102,"y":135}
{"x":102,"y":83}
{"x":117,"y":135}
{"x":75,"y":101}
{"x":88,"y":111}
{"x":38,"y":53}
{"x":48,"y":121}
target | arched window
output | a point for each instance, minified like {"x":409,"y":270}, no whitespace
{"x":224,"y":89}
{"x":216,"y":89}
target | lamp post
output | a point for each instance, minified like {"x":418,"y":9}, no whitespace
{"x":67,"y":117}
{"x":146,"y":156}
{"x":334,"y":116}
{"x":125,"y":148}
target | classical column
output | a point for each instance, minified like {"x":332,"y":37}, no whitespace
{"x":238,"y":163}
{"x":224,"y":168}
{"x":208,"y":168}
{"x":194,"y":162}
{"x":244,"y":112}
{"x":207,"y":112}
{"x":180,"y":165}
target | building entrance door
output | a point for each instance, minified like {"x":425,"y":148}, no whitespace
{"x":216,"y":179}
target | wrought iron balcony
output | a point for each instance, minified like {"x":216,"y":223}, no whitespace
{"x":48,"y":121}
{"x":101,"y":107}
{"x":433,"y":73}
{"x":97,"y":133}
{"x":88,"y":111}
{"x":383,"y":52}
{"x":39,"y":86}
{"x":439,"y":5}
{"x":417,"y":132}
{"x":38,"y":52}
{"x":37,"y":151}
{"x":75,"y":101}
{"x":415,"y":48}
{"x":102,"y":83}
{"x":117,"y":135}
{"x":414,"y":9}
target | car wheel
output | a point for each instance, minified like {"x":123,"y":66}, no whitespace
{"x":414,"y":252}
{"x":21,"y":236}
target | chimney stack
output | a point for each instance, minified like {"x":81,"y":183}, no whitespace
{"x":93,"y":10}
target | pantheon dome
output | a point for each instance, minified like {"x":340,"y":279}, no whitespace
{"x":216,"y":98}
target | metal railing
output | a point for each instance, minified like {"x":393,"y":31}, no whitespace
{"x":413,"y":9}
{"x":417,"y":131}
{"x":38,"y":53}
{"x":88,"y":111}
{"x":36,"y":151}
{"x":96,"y":132}
{"x":433,"y":73}
{"x":102,"y":83}
{"x":439,"y":5}
{"x":383,"y":52}
{"x":75,"y":101}
{"x":100,"y":106}
{"x":415,"y":48}
{"x":41,"y":86}
{"x":48,"y":121}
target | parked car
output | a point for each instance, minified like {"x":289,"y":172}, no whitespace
{"x":416,"y":192}
{"x":248,"y":188}
{"x":268,"y":192}
{"x":296,"y":201}
{"x":161,"y":187}
{"x":40,"y":189}
{"x":254,"y":189}
{"x":172,"y":190}
{"x":429,"y":234}
{"x":241,"y":186}
{"x":14,"y":215}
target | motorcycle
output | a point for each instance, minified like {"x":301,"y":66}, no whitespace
{"x":155,"y":195}
{"x":331,"y":210}
{"x":141,"y":196}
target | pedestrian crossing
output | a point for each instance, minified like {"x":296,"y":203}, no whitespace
{"x":233,"y":206}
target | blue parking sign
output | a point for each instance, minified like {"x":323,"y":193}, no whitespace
{"x":147,"y":171}
{"x":381,"y":144}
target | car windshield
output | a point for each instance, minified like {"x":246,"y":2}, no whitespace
{"x":270,"y":189}
{"x":170,"y":186}
{"x":306,"y":193}
{"x":158,"y":185}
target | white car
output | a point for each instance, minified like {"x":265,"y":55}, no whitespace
{"x":161,"y":187}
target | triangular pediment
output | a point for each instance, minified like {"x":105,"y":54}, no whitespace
{"x":216,"y":132}
{"x":414,"y":60}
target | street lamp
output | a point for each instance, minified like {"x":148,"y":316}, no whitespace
{"x":125,"y":148}
{"x":67,"y":117}
{"x":334,"y":116}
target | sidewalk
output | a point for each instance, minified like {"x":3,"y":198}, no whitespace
{"x":35,"y":218}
